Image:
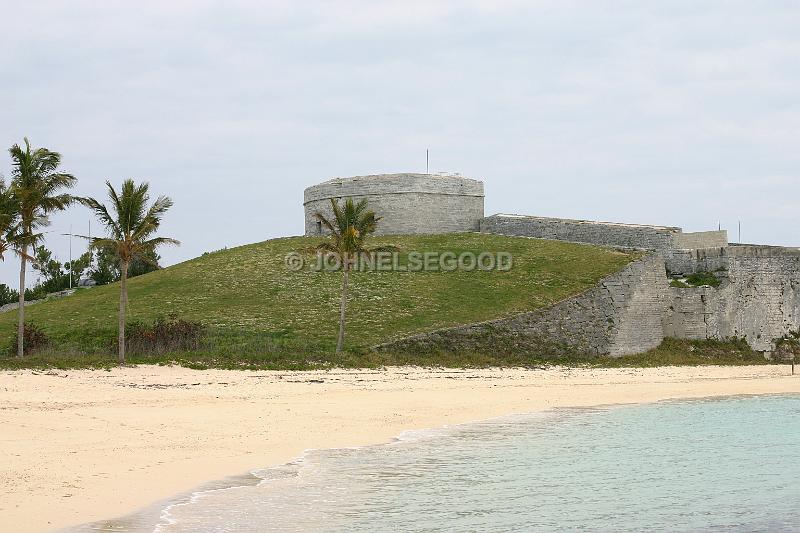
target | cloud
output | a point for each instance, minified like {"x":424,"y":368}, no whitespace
{"x":681,"y":113}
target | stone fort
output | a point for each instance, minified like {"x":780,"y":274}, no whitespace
{"x":631,"y":311}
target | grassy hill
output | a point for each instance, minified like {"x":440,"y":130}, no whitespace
{"x":258,"y":312}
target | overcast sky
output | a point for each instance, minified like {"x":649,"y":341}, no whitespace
{"x":675,"y":113}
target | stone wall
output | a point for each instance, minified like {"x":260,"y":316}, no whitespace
{"x":660,"y":238}
{"x":406,"y":203}
{"x":692,"y":313}
{"x":758,"y":299}
{"x":602,"y":233}
{"x":714,"y":259}
{"x":619,"y":316}
{"x":633,"y":310}
{"x":700,"y":239}
{"x":13,"y":306}
{"x":692,"y":261}
{"x":762,"y":302}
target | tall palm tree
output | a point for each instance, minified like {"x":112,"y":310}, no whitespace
{"x":349,"y":228}
{"x":36,"y":186}
{"x":131,"y":225}
{"x":10,"y":238}
{"x":9,"y":218}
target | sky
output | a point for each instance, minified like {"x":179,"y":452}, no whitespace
{"x":680,"y":113}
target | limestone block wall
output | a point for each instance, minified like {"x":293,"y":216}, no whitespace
{"x":619,"y":316}
{"x":13,"y":306}
{"x":406,"y":203}
{"x":633,"y":310}
{"x":640,"y":301}
{"x":762,"y":301}
{"x":759,"y":298}
{"x":693,"y":313}
{"x":714,"y":259}
{"x":661,"y":238}
{"x":602,"y":233}
{"x":700,"y":239}
{"x":692,"y":261}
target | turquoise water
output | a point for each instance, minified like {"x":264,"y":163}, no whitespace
{"x":706,"y":465}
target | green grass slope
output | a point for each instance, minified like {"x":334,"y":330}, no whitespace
{"x":258,"y":310}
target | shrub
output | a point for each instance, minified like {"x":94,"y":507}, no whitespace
{"x":787,"y":348}
{"x":7,"y":294}
{"x":165,"y":335}
{"x":36,"y":293}
{"x":698,"y":279}
{"x":702,"y":278}
{"x":35,"y":339}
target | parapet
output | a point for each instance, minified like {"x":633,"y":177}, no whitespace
{"x":639,"y":236}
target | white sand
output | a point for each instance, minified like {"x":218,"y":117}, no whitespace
{"x":80,"y":446}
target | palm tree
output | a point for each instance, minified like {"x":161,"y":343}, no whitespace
{"x":36,"y":187}
{"x":131,"y":226}
{"x":349,"y":229}
{"x":9,"y":218}
{"x":10,"y":238}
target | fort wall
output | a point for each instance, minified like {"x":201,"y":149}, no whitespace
{"x":629,"y":312}
{"x":758,"y":299}
{"x":619,"y":316}
{"x":641,"y":236}
{"x":585,"y":231}
{"x":700,"y":239}
{"x":406,"y":203}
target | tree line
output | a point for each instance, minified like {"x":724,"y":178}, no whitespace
{"x":101,"y":267}
{"x":38,"y":189}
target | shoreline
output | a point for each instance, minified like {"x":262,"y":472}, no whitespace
{"x":84,"y":446}
{"x":153,"y":515}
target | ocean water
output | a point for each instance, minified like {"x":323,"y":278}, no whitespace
{"x":703,"y":465}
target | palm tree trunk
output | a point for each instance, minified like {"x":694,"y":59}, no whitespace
{"x":21,"y":311}
{"x":343,"y":308}
{"x":123,"y":299}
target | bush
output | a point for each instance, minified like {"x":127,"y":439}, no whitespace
{"x":787,"y":348}
{"x":35,"y":339}
{"x":165,"y":335}
{"x":702,"y":278}
{"x":61,"y":283}
{"x":7,"y":294}
{"x":698,"y":279}
{"x":36,"y":293}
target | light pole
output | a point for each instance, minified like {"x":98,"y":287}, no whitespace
{"x":71,"y":235}
{"x":70,"y":254}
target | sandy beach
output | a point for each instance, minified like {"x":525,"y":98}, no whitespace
{"x":79,"y":446}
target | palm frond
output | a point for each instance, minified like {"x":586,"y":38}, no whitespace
{"x":129,"y":221}
{"x":349,"y":226}
{"x":151,"y":220}
{"x":327,"y":223}
{"x":37,"y":188}
{"x":108,"y":244}
{"x":101,"y":212}
{"x":160,"y":241}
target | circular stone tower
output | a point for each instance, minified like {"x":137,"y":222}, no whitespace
{"x":406,"y":203}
